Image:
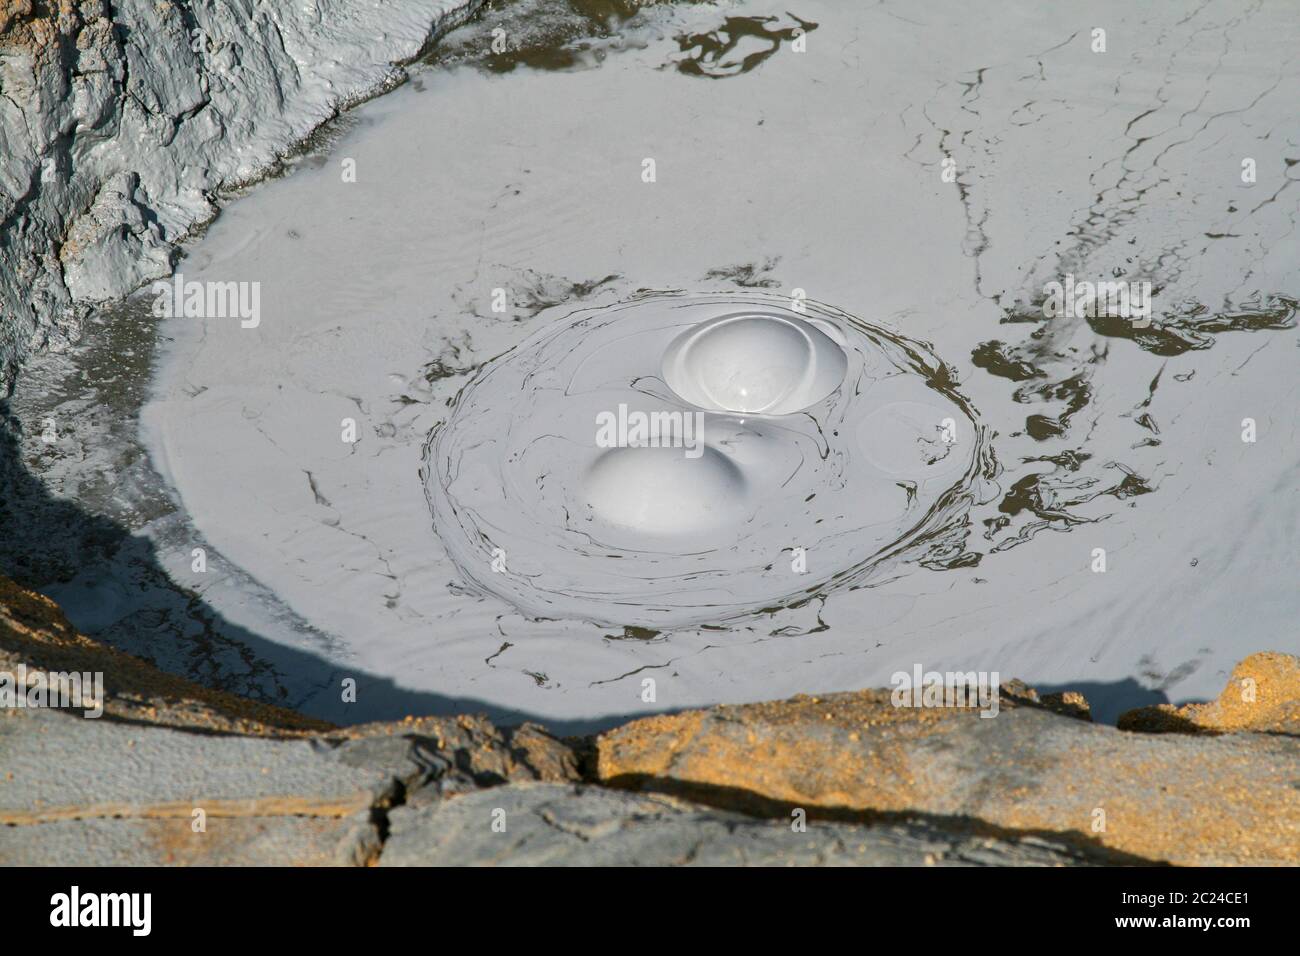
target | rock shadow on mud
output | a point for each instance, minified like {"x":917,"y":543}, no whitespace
{"x":51,"y":540}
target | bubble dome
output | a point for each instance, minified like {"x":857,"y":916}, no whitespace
{"x":754,"y":362}
{"x":658,"y":490}
{"x":677,"y":459}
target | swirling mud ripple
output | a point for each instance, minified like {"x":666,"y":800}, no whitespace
{"x":793,"y":452}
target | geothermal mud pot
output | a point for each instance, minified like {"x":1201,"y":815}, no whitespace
{"x":540,"y":404}
{"x":746,"y":436}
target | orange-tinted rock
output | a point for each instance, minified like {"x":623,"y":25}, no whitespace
{"x":1263,"y":694}
{"x":856,"y":756}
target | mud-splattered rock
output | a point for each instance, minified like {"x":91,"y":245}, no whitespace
{"x":120,"y":123}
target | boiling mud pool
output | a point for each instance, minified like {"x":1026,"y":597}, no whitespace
{"x":924,"y":470}
{"x":822,"y":435}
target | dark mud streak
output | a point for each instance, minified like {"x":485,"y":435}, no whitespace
{"x":1050,"y":497}
{"x":749,"y":275}
{"x":710,"y":54}
{"x":543,"y":35}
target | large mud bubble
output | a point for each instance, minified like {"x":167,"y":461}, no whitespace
{"x":677,"y":460}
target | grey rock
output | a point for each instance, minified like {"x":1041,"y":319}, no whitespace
{"x":121,"y":125}
{"x":118,"y":246}
{"x":107,"y":792}
{"x":567,"y":825}
{"x":226,"y":841}
{"x":57,"y":766}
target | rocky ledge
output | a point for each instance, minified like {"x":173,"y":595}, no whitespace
{"x":174,"y":773}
